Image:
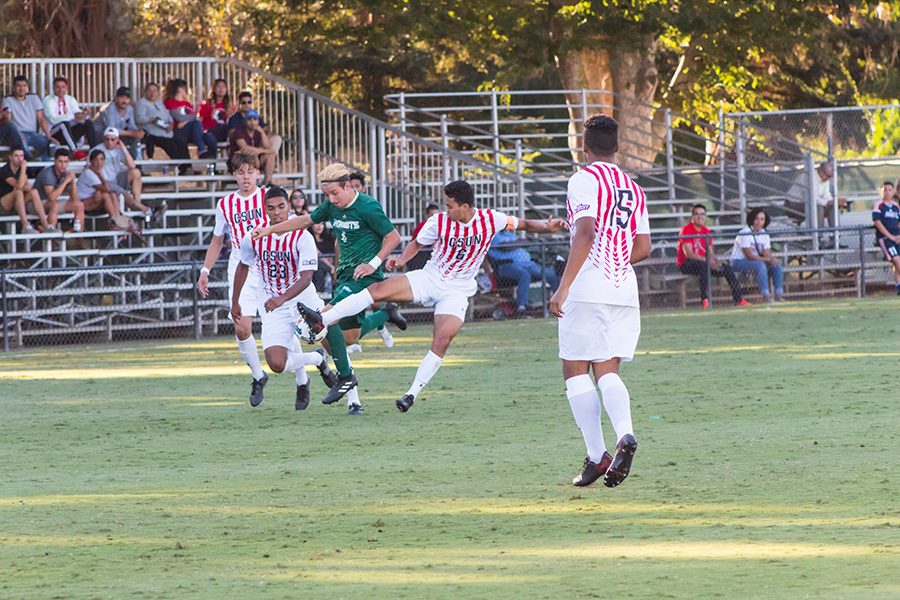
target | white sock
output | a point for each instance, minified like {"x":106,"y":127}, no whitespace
{"x":251,"y":356}
{"x":353,"y":397}
{"x":347,"y":307}
{"x":301,"y":376}
{"x":617,"y":403}
{"x":585,"y":404}
{"x":298,"y":360}
{"x":427,"y":368}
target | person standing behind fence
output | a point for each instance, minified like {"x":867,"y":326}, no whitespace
{"x":692,"y":257}
{"x":752,"y":253}
{"x":886,"y":217}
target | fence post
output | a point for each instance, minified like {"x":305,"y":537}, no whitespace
{"x":196,"y":301}
{"x":520,"y":181}
{"x":5,"y":320}
{"x":381,"y":135}
{"x":445,"y":143}
{"x":495,"y":127}
{"x":708,"y":241}
{"x":812,"y":214}
{"x":862,"y":264}
{"x":311,"y":142}
{"x":670,"y":159}
{"x":742,"y":183}
{"x":721,"y":159}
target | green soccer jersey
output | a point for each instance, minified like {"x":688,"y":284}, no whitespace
{"x":359,"y":228}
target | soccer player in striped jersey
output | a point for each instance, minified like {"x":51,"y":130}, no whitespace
{"x":237,"y":213}
{"x":461,"y":237}
{"x":286,"y":264}
{"x":597,"y":299}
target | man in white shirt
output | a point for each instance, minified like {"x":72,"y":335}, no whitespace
{"x":824,"y":196}
{"x":597,"y":299}
{"x":68,"y":122}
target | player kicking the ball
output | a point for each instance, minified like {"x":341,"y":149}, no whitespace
{"x":238,"y":213}
{"x":597,"y":299}
{"x":461,"y":236}
{"x":286,"y":264}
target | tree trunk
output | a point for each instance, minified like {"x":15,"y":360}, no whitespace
{"x":622,"y":83}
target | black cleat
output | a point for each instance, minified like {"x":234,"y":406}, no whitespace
{"x":343,"y":385}
{"x":355,"y":410}
{"x":621,"y":464}
{"x":593,"y":471}
{"x":302,"y":400}
{"x":394,"y":316}
{"x":256,"y":390}
{"x":405,"y":403}
{"x":312,"y":317}
{"x":328,"y":376}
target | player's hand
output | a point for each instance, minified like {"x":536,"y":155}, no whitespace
{"x":203,"y":284}
{"x":557,"y":300}
{"x":258,"y":232}
{"x":363,"y":270}
{"x":393,"y":262}
{"x":273,"y":303}
{"x":236,"y":313}
{"x":556,"y":224}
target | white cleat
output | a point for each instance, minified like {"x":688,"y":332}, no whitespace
{"x":354,"y":348}
{"x":386,"y":337}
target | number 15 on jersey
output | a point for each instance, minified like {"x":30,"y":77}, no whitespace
{"x":624,"y":208}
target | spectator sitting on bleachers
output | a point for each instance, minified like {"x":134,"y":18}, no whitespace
{"x":886,"y":217}
{"x":752,"y":253}
{"x":121,"y":173}
{"x":59,"y":191}
{"x":120,"y":114}
{"x":516,"y":264}
{"x":96,"y":194}
{"x":692,"y":256}
{"x":26,"y":112}
{"x":252,"y":139}
{"x":15,"y":192}
{"x":187,"y":126}
{"x":9,"y":133}
{"x":153,"y":117}
{"x":245,"y":105}
{"x":68,"y":123}
{"x":298,"y":202}
{"x":215,"y":111}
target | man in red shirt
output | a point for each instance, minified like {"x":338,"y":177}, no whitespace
{"x":692,"y":258}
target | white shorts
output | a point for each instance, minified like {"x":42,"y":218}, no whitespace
{"x":596,"y":332}
{"x":278,"y":325}
{"x":252,"y":295}
{"x":447,"y":297}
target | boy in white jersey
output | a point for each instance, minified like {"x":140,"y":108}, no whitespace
{"x":238,"y":213}
{"x":597,"y":299}
{"x":286,"y":264}
{"x":461,"y":237}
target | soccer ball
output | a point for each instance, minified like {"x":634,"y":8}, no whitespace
{"x":301,"y":330}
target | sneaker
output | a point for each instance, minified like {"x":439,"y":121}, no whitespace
{"x":355,"y":410}
{"x":621,"y":464}
{"x":405,"y":403}
{"x":779,"y":299}
{"x":354,"y":348}
{"x":386,"y":337}
{"x":302,"y":399}
{"x":256,"y":390}
{"x":394,"y":316}
{"x":29,"y":230}
{"x":329,"y":377}
{"x":343,"y":385}
{"x":742,"y":302}
{"x":705,"y":304}
{"x":76,"y":226}
{"x":51,"y":229}
{"x":592,"y":471}
{"x":158,"y":213}
{"x":79,"y":155}
{"x":312,"y":317}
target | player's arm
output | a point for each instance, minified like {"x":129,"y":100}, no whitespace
{"x":582,"y":240}
{"x":295,"y":224}
{"x":292,"y":292}
{"x":240,"y":277}
{"x":551,"y":225}
{"x":212,"y":253}
{"x":641,"y":248}
{"x":388,"y":243}
{"x":412,"y":248}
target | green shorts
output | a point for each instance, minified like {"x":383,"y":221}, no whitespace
{"x":347,"y":286}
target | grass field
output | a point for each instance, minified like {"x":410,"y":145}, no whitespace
{"x":768,"y":468}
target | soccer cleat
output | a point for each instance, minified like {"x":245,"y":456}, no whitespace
{"x":302,"y":400}
{"x":742,"y":302}
{"x":593,"y":471}
{"x":355,"y":410}
{"x":353,"y":348}
{"x":256,"y":390}
{"x":329,"y":377}
{"x":313,"y":319}
{"x":621,"y":464}
{"x":394,"y":316}
{"x":705,"y":304}
{"x":386,"y":337}
{"x":343,"y":385}
{"x":405,"y":403}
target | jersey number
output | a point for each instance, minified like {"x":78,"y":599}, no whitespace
{"x":624,"y":208}
{"x":277,"y":271}
{"x":460,"y":254}
{"x":343,"y":237}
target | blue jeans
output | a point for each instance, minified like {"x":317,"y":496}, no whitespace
{"x":523,"y":275}
{"x":38,"y":141}
{"x":192,"y":133}
{"x":762,"y":271}
{"x":10,"y":136}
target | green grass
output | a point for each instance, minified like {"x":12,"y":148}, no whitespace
{"x":767,"y":468}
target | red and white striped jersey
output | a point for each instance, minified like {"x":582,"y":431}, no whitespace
{"x":280,"y":259}
{"x":618,"y":207}
{"x":238,"y":215}
{"x":460,"y":248}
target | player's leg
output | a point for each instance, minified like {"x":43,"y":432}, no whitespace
{"x":283,"y":351}
{"x":243,"y":331}
{"x":895,"y":261}
{"x":395,"y":288}
{"x":389,"y":313}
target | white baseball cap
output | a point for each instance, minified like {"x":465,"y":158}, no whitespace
{"x":111,"y":131}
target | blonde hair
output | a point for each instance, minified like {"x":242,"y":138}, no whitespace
{"x":335,"y":173}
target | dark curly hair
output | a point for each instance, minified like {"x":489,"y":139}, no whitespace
{"x":751,"y":217}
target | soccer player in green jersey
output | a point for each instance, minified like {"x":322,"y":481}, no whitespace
{"x":366,"y":238}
